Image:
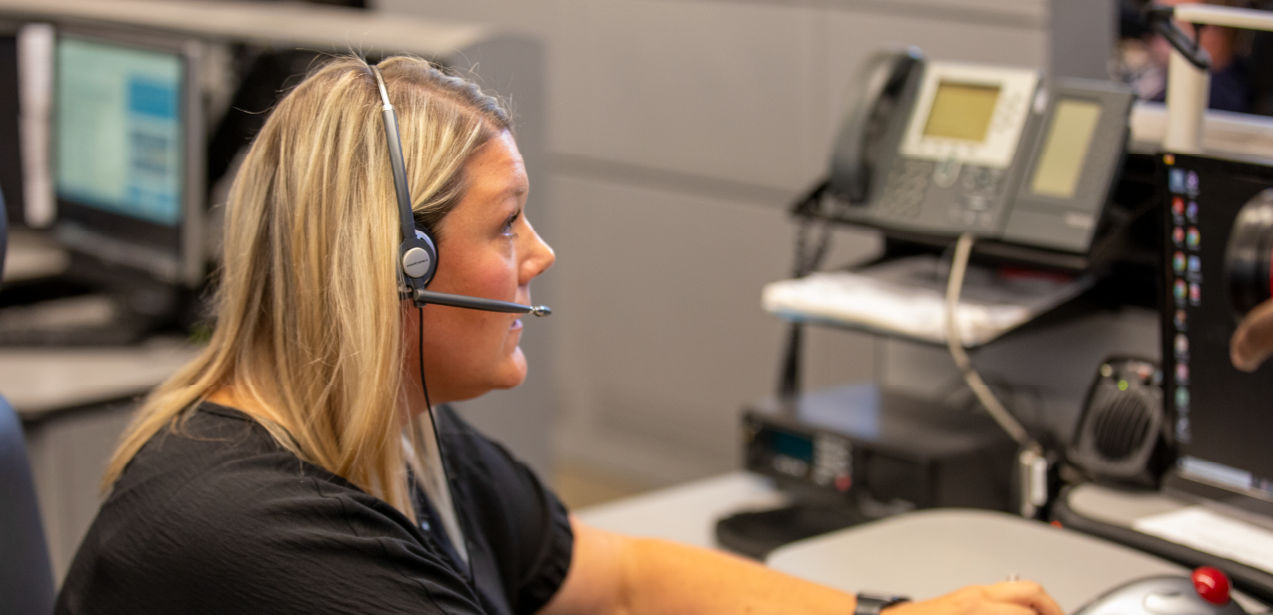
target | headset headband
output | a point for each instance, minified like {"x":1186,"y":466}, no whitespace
{"x":417,"y":254}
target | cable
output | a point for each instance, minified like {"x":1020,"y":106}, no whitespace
{"x":424,"y":387}
{"x":806,"y":261}
{"x":954,"y":285}
{"x":464,"y":549}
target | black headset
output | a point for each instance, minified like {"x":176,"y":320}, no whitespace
{"x":418,"y":253}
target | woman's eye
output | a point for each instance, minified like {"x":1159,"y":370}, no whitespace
{"x":508,"y":224}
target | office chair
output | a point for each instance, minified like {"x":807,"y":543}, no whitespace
{"x":26,"y":576}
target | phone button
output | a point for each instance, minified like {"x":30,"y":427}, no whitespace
{"x":946,"y":172}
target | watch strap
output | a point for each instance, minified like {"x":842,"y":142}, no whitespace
{"x":872,"y":604}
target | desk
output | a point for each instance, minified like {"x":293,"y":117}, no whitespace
{"x":685,"y":513}
{"x":42,"y":382}
{"x":923,"y":554}
{"x":32,"y":255}
{"x":74,"y":403}
{"x":932,"y":552}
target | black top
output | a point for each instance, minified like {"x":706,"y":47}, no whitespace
{"x":218,"y":518}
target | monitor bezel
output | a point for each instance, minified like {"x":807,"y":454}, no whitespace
{"x":13,"y":194}
{"x":179,"y":258}
{"x":1249,"y":504}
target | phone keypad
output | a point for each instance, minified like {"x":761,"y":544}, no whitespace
{"x":940,"y":194}
{"x":904,"y":189}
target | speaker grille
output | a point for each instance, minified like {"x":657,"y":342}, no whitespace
{"x":1120,"y":426}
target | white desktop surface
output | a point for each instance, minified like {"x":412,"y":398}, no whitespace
{"x":685,"y":513}
{"x":923,"y":554}
{"x":32,"y":255}
{"x":41,"y":380}
{"x":932,"y":552}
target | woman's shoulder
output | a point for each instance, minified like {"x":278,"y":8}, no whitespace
{"x":216,"y":478}
{"x":218,"y":459}
{"x":215,"y":498}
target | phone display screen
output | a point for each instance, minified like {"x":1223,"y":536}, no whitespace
{"x":961,"y":111}
{"x":1068,"y":138}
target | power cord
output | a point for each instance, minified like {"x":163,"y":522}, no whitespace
{"x":807,"y":260}
{"x":1032,"y":464}
{"x":954,"y":342}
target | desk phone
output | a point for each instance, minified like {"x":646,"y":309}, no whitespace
{"x":942,"y":148}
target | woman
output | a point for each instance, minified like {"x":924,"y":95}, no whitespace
{"x":292,"y":466}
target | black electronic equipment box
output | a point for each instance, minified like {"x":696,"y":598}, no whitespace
{"x":901,"y":451}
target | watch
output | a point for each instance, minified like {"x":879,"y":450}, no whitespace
{"x":872,"y":604}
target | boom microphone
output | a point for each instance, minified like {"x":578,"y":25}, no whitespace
{"x":423,"y":297}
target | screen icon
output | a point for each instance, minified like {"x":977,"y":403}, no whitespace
{"x":1176,"y":181}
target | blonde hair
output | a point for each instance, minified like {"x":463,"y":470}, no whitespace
{"x":308,"y":330}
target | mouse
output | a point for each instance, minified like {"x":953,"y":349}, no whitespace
{"x":1205,"y":592}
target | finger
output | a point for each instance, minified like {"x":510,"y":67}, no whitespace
{"x":1004,"y":608}
{"x":1025,"y":593}
{"x":1252,"y":342}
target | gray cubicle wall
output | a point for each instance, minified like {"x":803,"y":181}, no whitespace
{"x":678,"y":131}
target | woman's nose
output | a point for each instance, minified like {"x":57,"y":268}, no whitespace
{"x":540,"y":256}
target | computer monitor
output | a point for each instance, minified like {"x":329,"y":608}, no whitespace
{"x":128,"y":163}
{"x":11,"y":191}
{"x":1221,"y":415}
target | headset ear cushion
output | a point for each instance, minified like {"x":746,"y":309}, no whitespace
{"x":419,"y":258}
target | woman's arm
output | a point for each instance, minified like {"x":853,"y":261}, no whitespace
{"x":620,"y":575}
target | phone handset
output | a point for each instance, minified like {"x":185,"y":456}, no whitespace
{"x":884,"y":78}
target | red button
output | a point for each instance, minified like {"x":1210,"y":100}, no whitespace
{"x":843,"y":482}
{"x":1211,"y":585}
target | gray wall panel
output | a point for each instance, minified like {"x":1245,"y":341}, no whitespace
{"x":667,"y":340}
{"x":678,"y":132}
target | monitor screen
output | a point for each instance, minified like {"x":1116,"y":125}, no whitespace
{"x":125,"y":140}
{"x":119,"y":129}
{"x":1220,"y":414}
{"x":1068,"y":138}
{"x":961,"y":111}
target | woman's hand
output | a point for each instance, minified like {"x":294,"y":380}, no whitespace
{"x":1007,"y":598}
{"x":1252,"y":342}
